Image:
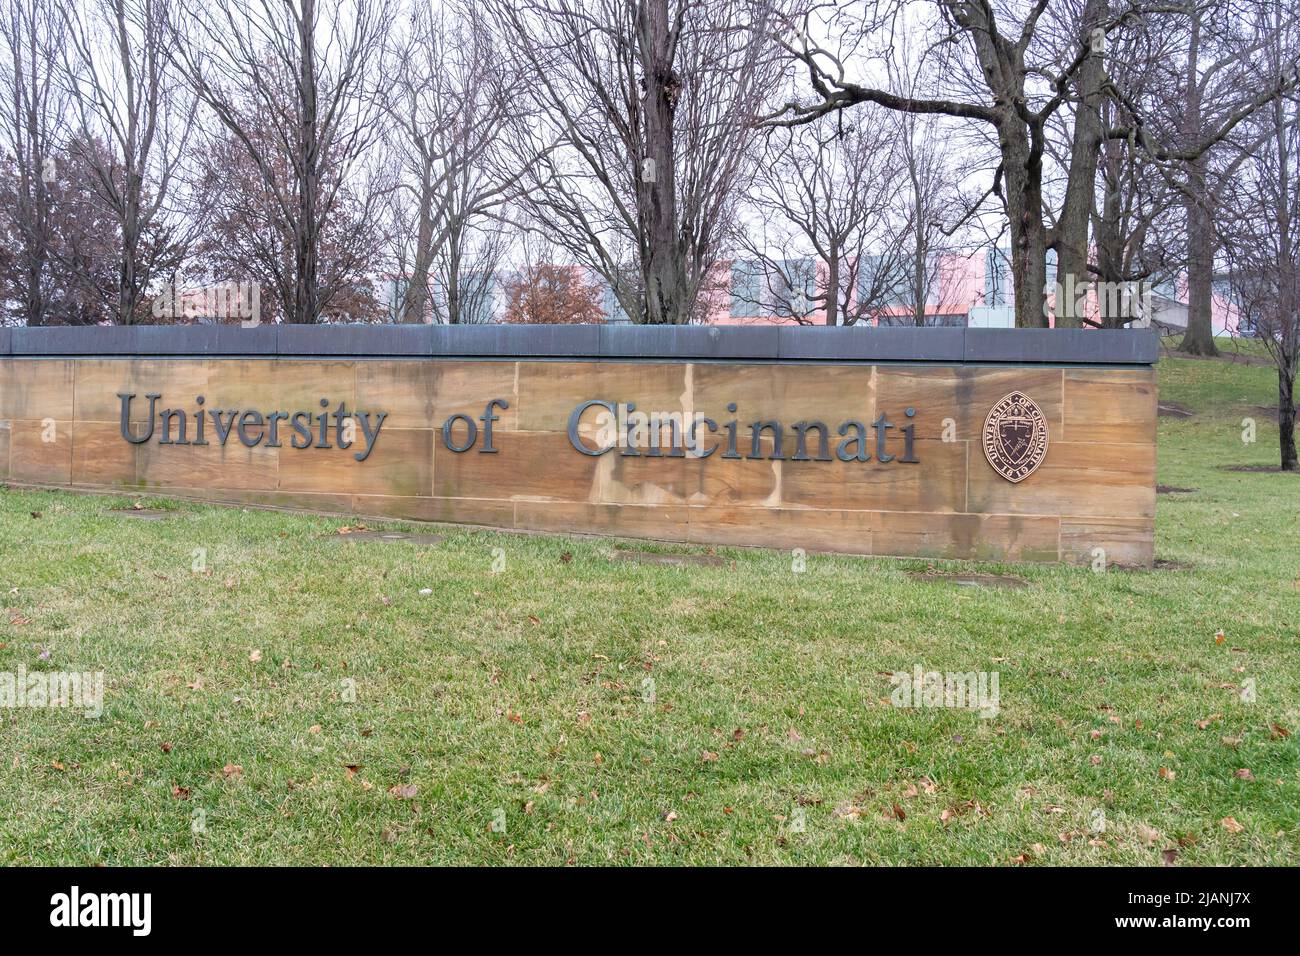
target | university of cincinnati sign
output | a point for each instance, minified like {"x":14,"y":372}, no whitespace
{"x":1014,"y":438}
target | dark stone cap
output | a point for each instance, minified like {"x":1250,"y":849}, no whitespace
{"x":770,"y":343}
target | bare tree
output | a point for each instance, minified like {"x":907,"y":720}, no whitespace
{"x":246,"y":239}
{"x":821,"y":203}
{"x":1262,"y":234}
{"x":293,"y":83}
{"x":1014,"y":69}
{"x":125,"y":95}
{"x":933,"y":210}
{"x":448,"y":101}
{"x":641,"y":120}
{"x":1137,"y":235}
{"x":32,"y":110}
{"x":1217,"y":67}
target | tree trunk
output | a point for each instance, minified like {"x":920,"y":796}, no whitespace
{"x":128,"y":291}
{"x":1286,"y":418}
{"x":918,"y":263}
{"x":416,"y":297}
{"x":33,"y":245}
{"x":307,"y":232}
{"x":1023,"y":182}
{"x":919,"y":215}
{"x":661,"y":269}
{"x":1071,"y":243}
{"x":455,"y":238}
{"x":1199,"y":339}
{"x":36,"y":218}
{"x":833,"y":288}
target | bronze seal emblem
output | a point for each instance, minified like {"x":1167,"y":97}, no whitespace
{"x":1015,"y":437}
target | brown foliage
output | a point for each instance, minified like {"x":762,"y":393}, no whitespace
{"x":552,"y":295}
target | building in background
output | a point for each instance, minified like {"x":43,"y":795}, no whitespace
{"x":966,"y":290}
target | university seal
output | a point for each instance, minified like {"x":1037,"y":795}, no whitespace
{"x":1015,"y":437}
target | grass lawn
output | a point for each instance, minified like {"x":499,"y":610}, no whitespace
{"x":304,"y":703}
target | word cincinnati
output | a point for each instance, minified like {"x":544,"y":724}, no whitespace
{"x":619,"y":425}
{"x":74,"y":909}
{"x":251,"y":428}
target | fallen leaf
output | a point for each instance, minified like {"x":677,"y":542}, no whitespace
{"x":166,"y":748}
{"x":708,"y":756}
{"x":1168,"y":856}
{"x":1167,"y":774}
{"x":1219,"y":637}
{"x":314,"y":729}
{"x":1231,"y":825}
{"x":232,"y":770}
{"x":255,"y":656}
{"x":1244,"y":774}
{"x":847,"y":811}
{"x":181,"y":793}
{"x":403,"y":791}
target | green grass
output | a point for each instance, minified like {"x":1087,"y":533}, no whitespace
{"x":523,"y":692}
